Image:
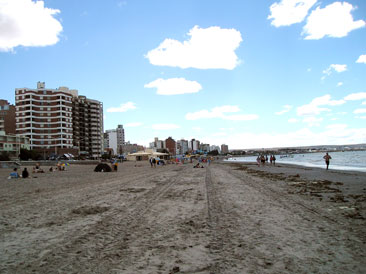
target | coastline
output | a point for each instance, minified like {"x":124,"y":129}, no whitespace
{"x":223,"y":218}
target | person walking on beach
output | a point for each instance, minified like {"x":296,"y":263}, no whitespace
{"x":327,"y":158}
{"x":274,"y":160}
{"x":151,"y":163}
{"x":263,"y":160}
{"x":259,"y":161}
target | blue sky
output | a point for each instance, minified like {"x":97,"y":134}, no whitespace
{"x":249,"y":74}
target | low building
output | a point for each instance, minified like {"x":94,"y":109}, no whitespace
{"x":7,"y":117}
{"x":11,"y":143}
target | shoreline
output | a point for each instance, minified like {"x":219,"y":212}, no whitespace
{"x":308,"y":165}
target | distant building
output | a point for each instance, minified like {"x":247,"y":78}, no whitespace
{"x":11,"y":143}
{"x":205,"y":147}
{"x":157,"y":144}
{"x":213,"y":147}
{"x":7,"y":117}
{"x":115,"y":139}
{"x":170,"y":145}
{"x":194,"y":145}
{"x":131,"y":148}
{"x":181,"y":147}
{"x":224,"y":149}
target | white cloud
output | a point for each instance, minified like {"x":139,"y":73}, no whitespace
{"x":286,"y":108}
{"x":359,"y":111}
{"x":335,"y":67}
{"x":337,"y":126}
{"x":293,"y":120}
{"x":174,"y":86}
{"x":355,"y":96}
{"x":364,"y":103}
{"x":27,"y":23}
{"x":164,"y":126}
{"x":335,"y":20}
{"x":312,"y":121}
{"x":314,"y":107}
{"x":361,"y":59}
{"x":136,"y":124}
{"x":219,"y":112}
{"x":288,"y":12}
{"x":360,"y":117}
{"x":340,"y":84}
{"x":210,"y":48}
{"x":123,"y":107}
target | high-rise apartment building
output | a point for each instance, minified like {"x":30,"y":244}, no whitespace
{"x":88,"y":126}
{"x":7,"y":117}
{"x":45,"y":116}
{"x":59,"y":121}
{"x":194,"y":145}
{"x":181,"y":147}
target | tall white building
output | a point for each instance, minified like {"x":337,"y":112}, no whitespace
{"x":115,"y":139}
{"x":181,"y":147}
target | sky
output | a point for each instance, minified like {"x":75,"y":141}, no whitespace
{"x":250,"y":74}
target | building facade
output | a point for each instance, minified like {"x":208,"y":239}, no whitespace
{"x":7,"y":117}
{"x":88,"y":126}
{"x":12,"y":144}
{"x":181,"y":147}
{"x":45,"y":117}
{"x":194,"y":145}
{"x":115,"y":139}
{"x":170,"y":146}
{"x":224,"y":149}
{"x":58,"y":121}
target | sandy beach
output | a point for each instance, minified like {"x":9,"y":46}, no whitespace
{"x":224,"y":218}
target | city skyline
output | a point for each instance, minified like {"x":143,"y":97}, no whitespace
{"x":249,"y":75}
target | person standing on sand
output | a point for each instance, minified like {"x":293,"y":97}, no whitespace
{"x":327,"y":158}
{"x":274,"y":160}
{"x":25,"y":173}
{"x":259,"y":161}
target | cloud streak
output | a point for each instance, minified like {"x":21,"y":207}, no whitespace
{"x":221,"y":112}
{"x":123,"y":107}
{"x":174,"y":86}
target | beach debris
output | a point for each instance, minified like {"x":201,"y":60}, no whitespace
{"x":89,"y":210}
{"x":338,"y":198}
{"x":102,"y":167}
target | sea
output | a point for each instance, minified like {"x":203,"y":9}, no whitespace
{"x":347,"y":160}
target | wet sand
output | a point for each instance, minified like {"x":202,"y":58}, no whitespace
{"x":224,"y":218}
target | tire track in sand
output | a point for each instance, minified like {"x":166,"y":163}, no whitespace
{"x":104,"y":244}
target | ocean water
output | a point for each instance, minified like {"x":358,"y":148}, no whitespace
{"x":348,"y":160}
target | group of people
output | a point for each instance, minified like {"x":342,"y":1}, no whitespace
{"x":36,"y":169}
{"x":14,"y":174}
{"x":263,"y":159}
{"x":156,"y":161}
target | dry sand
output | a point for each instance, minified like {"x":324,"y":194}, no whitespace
{"x":225,"y":218}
